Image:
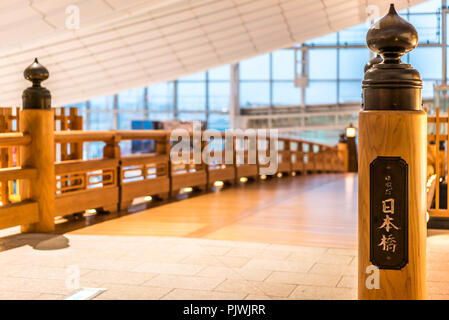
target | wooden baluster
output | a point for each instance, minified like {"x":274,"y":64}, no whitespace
{"x":112,"y":151}
{"x":311,"y":158}
{"x":205,"y":166}
{"x":289,"y":155}
{"x":76,"y":123}
{"x":64,"y":127}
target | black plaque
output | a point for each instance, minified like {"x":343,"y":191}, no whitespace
{"x":389,"y":213}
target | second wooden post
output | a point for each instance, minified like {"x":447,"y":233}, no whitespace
{"x":37,"y":120}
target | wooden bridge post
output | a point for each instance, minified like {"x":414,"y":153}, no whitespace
{"x":343,"y":151}
{"x":392,"y":169}
{"x":37,"y":120}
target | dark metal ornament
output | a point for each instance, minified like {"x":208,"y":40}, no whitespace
{"x":391,"y":84}
{"x":377,"y":59}
{"x":36,"y":97}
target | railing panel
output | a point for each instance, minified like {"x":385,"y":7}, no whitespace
{"x":189,"y":173}
{"x":217,"y":169}
{"x":437,"y":166}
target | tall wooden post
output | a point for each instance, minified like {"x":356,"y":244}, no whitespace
{"x":392,"y":169}
{"x":37,"y":119}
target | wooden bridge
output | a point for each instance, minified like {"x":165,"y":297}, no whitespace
{"x":114,"y":181}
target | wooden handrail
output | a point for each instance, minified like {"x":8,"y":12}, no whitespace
{"x":72,"y":166}
{"x":160,"y":135}
{"x":17,"y":173}
{"x":83,"y":136}
{"x":14,"y":139}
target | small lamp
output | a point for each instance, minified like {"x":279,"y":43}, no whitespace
{"x":351,"y":131}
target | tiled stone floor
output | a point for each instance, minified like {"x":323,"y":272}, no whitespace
{"x":36,"y":266}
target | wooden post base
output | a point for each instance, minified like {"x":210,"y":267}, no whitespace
{"x":39,"y":154}
{"x":394,"y":134}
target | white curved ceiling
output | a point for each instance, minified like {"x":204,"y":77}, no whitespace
{"x":124,"y":44}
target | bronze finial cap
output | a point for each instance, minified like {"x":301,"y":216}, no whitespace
{"x":392,"y":36}
{"x":36,"y":73}
{"x":36,"y":97}
{"x":391,"y":84}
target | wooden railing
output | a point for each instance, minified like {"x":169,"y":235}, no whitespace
{"x":437,"y":165}
{"x":118,"y":180}
{"x":114,"y":181}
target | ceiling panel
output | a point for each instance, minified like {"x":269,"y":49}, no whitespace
{"x":123,"y":44}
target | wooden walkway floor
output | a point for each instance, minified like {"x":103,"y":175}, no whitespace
{"x":317,"y":210}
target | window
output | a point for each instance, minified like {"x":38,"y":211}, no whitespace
{"x":254,"y":94}
{"x":427,"y":6}
{"x":428,"y":26}
{"x":321,"y":92}
{"x":257,"y":68}
{"x":160,"y":96}
{"x":219,"y":93}
{"x":350,"y":91}
{"x":218,"y":122}
{"x":101,"y":115}
{"x":427,"y":61}
{"x":352,"y":62}
{"x":131,"y":99}
{"x":192,"y":116}
{"x":286,"y":94}
{"x":131,"y":102}
{"x":284,"y":65}
{"x":323,"y":64}
{"x":191,"y":96}
{"x":222,"y":73}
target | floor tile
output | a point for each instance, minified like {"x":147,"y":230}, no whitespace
{"x":235,"y":273}
{"x":209,"y":260}
{"x":323,"y":293}
{"x":168,"y":268}
{"x":256,"y":287}
{"x":183,"y":294}
{"x":277,"y":265}
{"x":184,"y":282}
{"x":125,"y":292}
{"x":304,"y":278}
{"x":118,"y":277}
